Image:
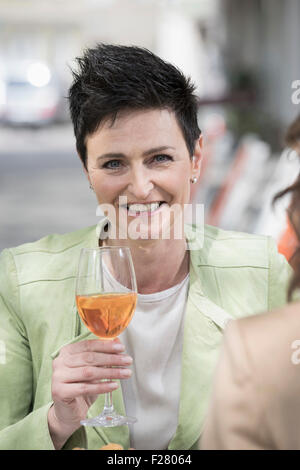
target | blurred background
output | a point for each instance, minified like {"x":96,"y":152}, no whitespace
{"x":243,"y":57}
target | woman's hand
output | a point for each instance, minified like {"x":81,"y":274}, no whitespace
{"x":77,"y":380}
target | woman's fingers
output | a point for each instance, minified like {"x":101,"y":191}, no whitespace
{"x":93,"y":352}
{"x":66,"y":392}
{"x":89,"y":374}
{"x":96,"y":359}
{"x":94,"y":345}
{"x":87,"y":368}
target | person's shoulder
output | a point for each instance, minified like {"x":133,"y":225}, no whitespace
{"x":53,"y":257}
{"x":281,"y":322}
{"x":221,"y":235}
{"x":231,"y":248}
{"x":54,"y":243}
{"x":269,"y":338}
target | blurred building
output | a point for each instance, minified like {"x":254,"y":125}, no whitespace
{"x":255,"y":40}
{"x":56,"y":32}
{"x":262,"y":46}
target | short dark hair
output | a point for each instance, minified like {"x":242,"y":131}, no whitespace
{"x":114,"y":78}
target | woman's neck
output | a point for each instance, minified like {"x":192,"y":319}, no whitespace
{"x":159,"y":264}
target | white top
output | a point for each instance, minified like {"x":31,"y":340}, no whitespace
{"x":154,"y":340}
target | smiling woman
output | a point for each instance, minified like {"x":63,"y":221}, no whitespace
{"x":136,"y":130}
{"x":150,"y":176}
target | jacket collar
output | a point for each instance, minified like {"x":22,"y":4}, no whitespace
{"x":204,"y":322}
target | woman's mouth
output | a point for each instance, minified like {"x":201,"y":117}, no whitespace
{"x":137,"y":210}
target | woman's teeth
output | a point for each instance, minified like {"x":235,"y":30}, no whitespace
{"x":138,"y":208}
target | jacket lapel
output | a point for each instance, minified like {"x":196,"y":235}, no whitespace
{"x":203,"y":328}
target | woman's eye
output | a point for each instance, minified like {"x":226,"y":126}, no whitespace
{"x":162,"y":158}
{"x":112,"y":164}
{"x":117,"y":164}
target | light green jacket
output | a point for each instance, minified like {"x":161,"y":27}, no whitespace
{"x":233,"y":275}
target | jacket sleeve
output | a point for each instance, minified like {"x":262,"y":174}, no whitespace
{"x":233,"y":421}
{"x":21,"y":427}
{"x":280,"y":273}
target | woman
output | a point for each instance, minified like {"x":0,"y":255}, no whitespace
{"x":256,"y":395}
{"x":135,"y":123}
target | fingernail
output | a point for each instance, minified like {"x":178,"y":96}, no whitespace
{"x":126,"y":359}
{"x":125,"y":373}
{"x":118,"y":347}
{"x":113,"y":385}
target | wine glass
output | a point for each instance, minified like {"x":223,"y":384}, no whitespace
{"x":106,"y":296}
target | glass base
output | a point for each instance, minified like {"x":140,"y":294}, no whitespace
{"x":108,"y":420}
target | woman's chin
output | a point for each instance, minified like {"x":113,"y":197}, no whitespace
{"x":162,"y":230}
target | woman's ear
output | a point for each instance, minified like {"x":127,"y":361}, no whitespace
{"x":197,"y":157}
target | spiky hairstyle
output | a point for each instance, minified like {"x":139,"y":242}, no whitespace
{"x":113,"y":78}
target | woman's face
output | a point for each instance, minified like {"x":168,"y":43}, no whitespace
{"x":140,"y":166}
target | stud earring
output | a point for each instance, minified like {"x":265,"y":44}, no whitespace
{"x":91,"y":187}
{"x":194,"y":179}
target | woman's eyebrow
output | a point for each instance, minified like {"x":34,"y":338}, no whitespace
{"x":122,"y":155}
{"x":111,"y":155}
{"x":157,"y":149}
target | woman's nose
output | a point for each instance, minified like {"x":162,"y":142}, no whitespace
{"x":140,"y":184}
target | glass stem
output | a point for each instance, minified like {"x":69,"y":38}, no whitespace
{"x":108,"y":404}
